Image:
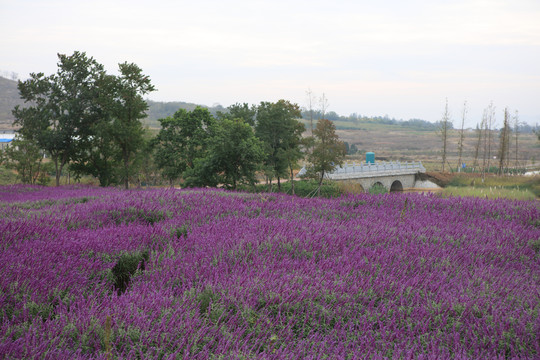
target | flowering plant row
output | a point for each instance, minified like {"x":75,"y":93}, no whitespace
{"x":93,"y":273}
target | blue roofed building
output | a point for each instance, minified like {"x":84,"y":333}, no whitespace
{"x":6,"y":137}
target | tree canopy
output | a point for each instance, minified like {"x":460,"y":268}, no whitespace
{"x":85,"y":117}
{"x":128,"y":108}
{"x":90,"y":122}
{"x":327,"y":152}
{"x":63,"y":108}
{"x":279,"y":130}
{"x":234,"y":156}
{"x":181,"y":140}
{"x":235,"y":153}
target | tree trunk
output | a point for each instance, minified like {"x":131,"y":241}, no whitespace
{"x":292,"y":179}
{"x":477,"y":148}
{"x":485,"y":127}
{"x":36,"y":176}
{"x":504,"y":143}
{"x":444,"y":133}
{"x":490,"y":126}
{"x":126,"y":170}
{"x":461,"y":137}
{"x":279,"y":183}
{"x":57,"y":171}
{"x":320,"y":184}
{"x":444,"y":154}
{"x":254,"y":186}
{"x":269,"y":183}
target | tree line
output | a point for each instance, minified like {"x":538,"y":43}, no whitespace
{"x":90,"y":122}
{"x":236,"y":145}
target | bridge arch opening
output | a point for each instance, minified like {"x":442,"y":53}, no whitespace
{"x":377,"y":188}
{"x":397,"y":186}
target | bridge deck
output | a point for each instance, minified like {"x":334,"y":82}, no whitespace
{"x":367,"y":170}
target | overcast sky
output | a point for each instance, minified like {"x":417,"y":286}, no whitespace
{"x":386,"y":57}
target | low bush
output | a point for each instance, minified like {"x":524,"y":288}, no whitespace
{"x":302,"y":188}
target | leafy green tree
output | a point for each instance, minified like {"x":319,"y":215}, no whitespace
{"x":181,"y":140}
{"x":328,"y":151}
{"x":148,"y":173}
{"x":62,"y":108}
{"x":127,"y":109}
{"x":293,"y":152}
{"x":100,"y":158}
{"x":233,"y":157}
{"x":26,"y":158}
{"x":82,"y":116}
{"x":276,"y":127}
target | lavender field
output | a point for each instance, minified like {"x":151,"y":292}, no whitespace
{"x":88,"y":273}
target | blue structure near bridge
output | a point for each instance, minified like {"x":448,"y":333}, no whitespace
{"x":6,"y":138}
{"x":370,"y":158}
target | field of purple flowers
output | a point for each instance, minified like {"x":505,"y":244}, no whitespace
{"x":89,"y":273}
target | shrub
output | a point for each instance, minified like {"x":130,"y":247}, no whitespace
{"x":125,"y":268}
{"x":377,"y":189}
{"x":302,"y":188}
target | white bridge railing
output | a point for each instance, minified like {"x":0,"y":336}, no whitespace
{"x":359,"y":170}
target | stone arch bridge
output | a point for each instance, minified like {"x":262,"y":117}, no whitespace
{"x":394,"y":176}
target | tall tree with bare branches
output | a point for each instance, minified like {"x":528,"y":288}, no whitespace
{"x":477,"y":146}
{"x":444,"y":127}
{"x":323,"y":102}
{"x":516,"y":132}
{"x":504,"y":141}
{"x":509,"y":143}
{"x":310,"y":100}
{"x":484,"y":127}
{"x":490,"y":123}
{"x":461,"y":135}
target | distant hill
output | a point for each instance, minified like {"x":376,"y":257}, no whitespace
{"x":160,"y":110}
{"x":9,"y":98}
